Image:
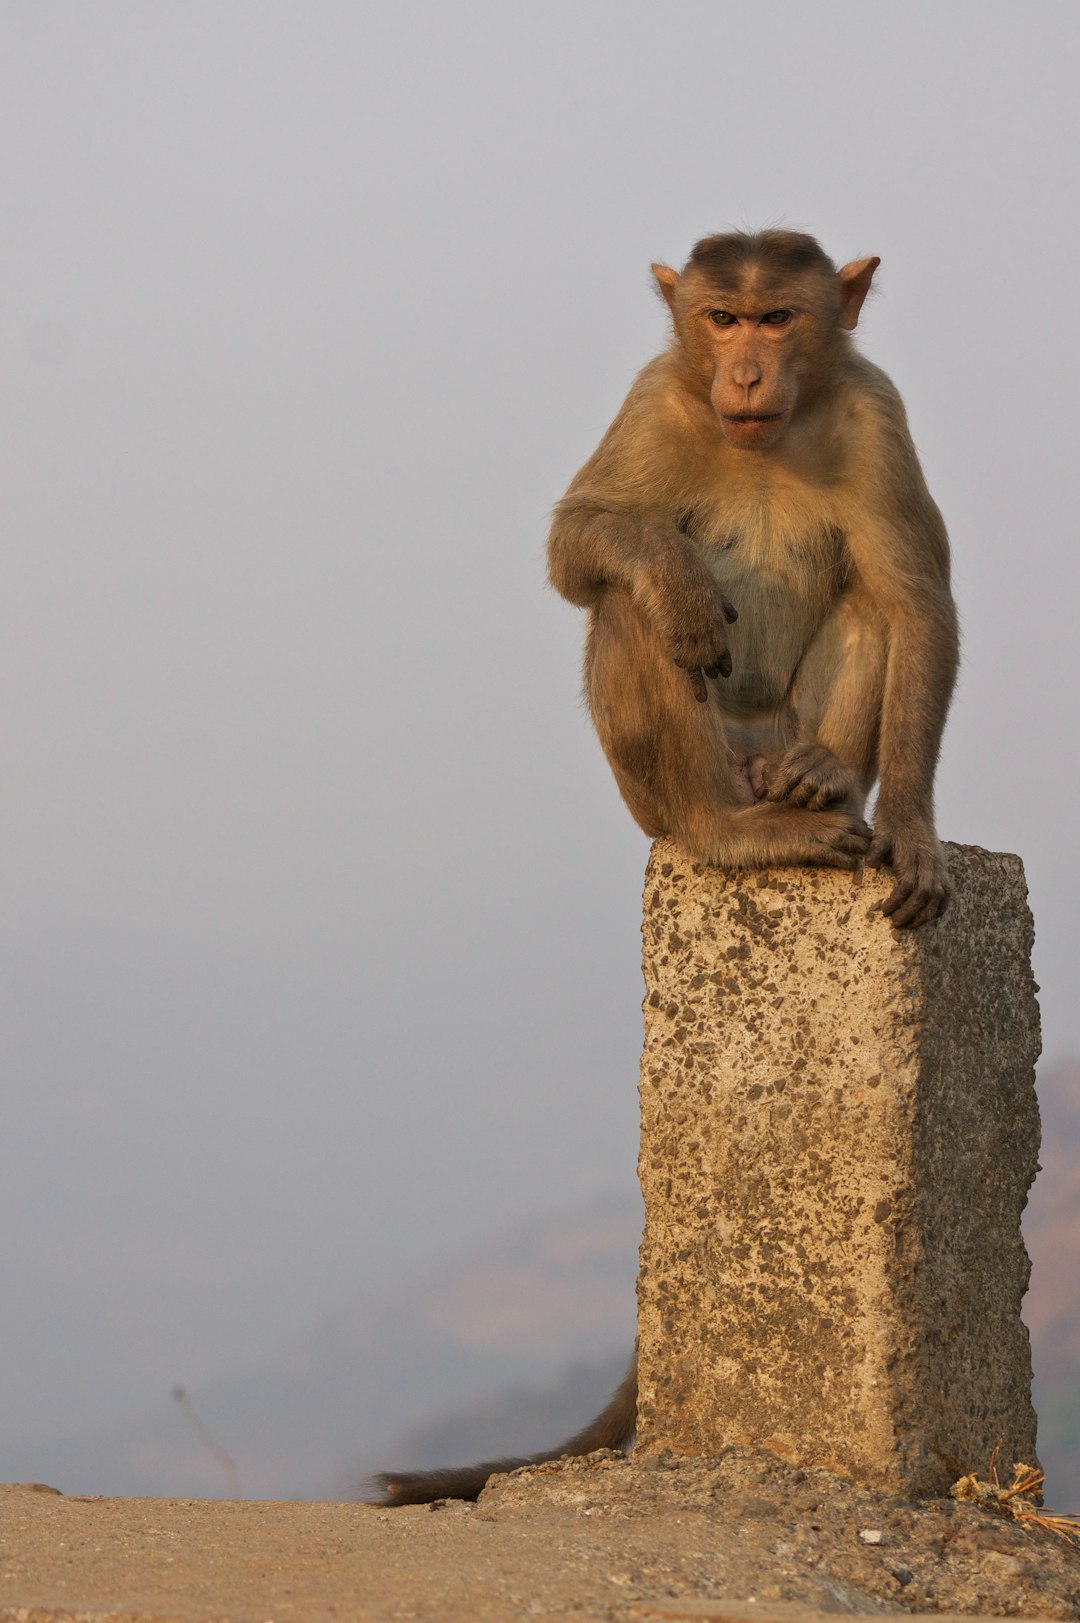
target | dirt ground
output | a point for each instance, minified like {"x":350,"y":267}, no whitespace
{"x":740,"y":1537}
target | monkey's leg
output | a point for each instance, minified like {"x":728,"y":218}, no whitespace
{"x":675,"y":766}
{"x":837,"y":696}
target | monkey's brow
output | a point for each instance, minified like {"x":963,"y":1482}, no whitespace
{"x":745,"y":310}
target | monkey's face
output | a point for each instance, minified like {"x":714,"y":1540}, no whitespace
{"x":758,"y":347}
{"x":756,"y":344}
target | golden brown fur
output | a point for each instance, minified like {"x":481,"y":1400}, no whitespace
{"x":770,"y":623}
{"x":767,"y":579}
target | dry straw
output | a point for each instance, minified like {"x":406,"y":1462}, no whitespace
{"x":1017,"y":1501}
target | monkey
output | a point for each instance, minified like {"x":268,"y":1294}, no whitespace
{"x":770,"y":623}
{"x":767,"y":580}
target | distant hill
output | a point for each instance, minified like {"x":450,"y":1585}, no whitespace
{"x":508,"y":1351}
{"x":1052,"y":1305}
{"x":549,"y":1296}
{"x":512,"y":1421}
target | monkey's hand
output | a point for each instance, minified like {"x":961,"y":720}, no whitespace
{"x":809,"y":775}
{"x":689,"y":611}
{"x":912,"y":850}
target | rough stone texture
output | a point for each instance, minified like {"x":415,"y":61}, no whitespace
{"x":839,"y":1131}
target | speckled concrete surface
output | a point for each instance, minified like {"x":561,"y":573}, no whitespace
{"x":839,"y":1130}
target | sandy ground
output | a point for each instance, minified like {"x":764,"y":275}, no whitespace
{"x":738,"y":1538}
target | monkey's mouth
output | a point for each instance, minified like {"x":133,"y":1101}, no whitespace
{"x":756,"y":417}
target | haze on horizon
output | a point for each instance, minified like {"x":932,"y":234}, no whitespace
{"x":320,"y":924}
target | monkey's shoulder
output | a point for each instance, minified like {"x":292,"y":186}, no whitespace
{"x":658,"y":439}
{"x":868,"y":411}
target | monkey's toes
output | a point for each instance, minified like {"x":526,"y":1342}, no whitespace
{"x":825,"y":855}
{"x":917,"y":898}
{"x":843,"y":845}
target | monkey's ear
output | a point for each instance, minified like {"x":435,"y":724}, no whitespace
{"x":855,"y":282}
{"x":667,"y":281}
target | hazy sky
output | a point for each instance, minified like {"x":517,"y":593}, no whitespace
{"x":320,"y":909}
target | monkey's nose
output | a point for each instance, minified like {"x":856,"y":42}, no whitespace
{"x":746,"y":373}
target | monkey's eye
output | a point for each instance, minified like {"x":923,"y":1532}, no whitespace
{"x":776,"y":318}
{"x":722,"y":318}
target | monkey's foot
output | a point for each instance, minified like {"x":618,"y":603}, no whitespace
{"x":835,"y":837}
{"x":775,"y":835}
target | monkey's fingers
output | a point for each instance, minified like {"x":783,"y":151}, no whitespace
{"x":880,"y":851}
{"x":697,"y":670}
{"x":779,"y":783}
{"x":816,"y":792}
{"x":808,"y":775}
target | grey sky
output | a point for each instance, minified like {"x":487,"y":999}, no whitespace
{"x":320,"y":922}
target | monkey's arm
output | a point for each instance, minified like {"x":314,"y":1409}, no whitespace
{"x":900,"y":549}
{"x":612,"y":531}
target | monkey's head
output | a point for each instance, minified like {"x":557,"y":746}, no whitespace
{"x":760,"y":323}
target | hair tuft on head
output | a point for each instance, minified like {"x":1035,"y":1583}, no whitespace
{"x":782,"y":252}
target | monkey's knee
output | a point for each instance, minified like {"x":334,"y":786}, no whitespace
{"x":635,"y":762}
{"x":668,"y":751}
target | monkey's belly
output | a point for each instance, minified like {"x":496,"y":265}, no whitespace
{"x":766,"y":733}
{"x":749,"y":693}
{"x":765,"y":659}
{"x":768,"y":641}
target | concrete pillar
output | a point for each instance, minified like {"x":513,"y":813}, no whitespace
{"x":839,"y":1131}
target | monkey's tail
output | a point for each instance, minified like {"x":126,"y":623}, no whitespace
{"x":612,"y":1428}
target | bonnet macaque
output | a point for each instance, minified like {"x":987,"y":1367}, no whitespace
{"x":770,"y":624}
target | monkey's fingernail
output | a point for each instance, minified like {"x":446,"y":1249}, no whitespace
{"x":725,"y":665}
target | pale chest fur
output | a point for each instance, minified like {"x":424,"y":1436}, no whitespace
{"x":777,"y":551}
